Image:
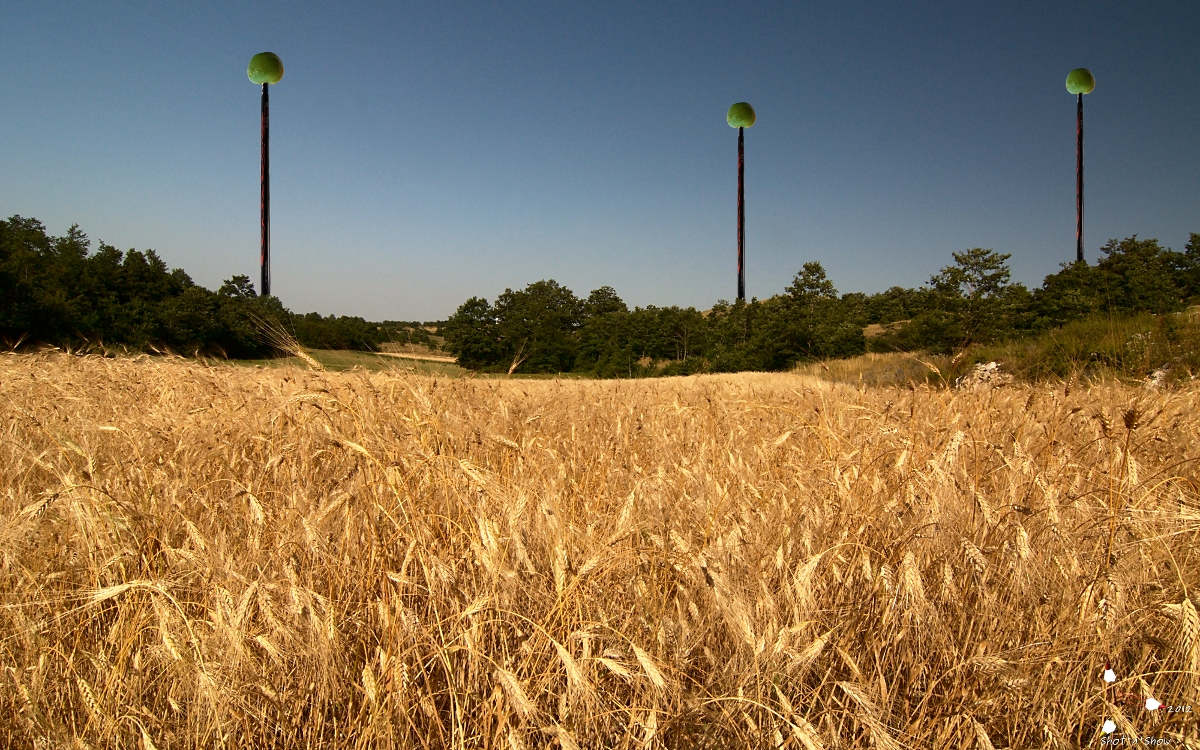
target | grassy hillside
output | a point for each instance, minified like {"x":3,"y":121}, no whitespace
{"x":1157,"y":349}
{"x":197,"y":556}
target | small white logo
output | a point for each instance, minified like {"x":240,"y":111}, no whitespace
{"x":1110,"y":726}
{"x":1110,"y":676}
{"x":1152,"y":705}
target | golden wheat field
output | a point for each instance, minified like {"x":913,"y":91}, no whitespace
{"x":207,"y":557}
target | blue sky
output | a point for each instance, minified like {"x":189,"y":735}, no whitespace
{"x":424,"y":153}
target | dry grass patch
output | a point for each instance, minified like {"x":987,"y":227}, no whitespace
{"x":877,"y":369}
{"x":226,"y":557}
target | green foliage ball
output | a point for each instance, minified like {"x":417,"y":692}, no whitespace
{"x":740,"y":115}
{"x":265,"y":67}
{"x":1081,"y":81}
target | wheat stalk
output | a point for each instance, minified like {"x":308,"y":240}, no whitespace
{"x":727,"y":559}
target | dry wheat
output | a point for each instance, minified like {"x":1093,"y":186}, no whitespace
{"x":201,"y":556}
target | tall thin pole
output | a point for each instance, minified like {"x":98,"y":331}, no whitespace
{"x":741,"y":218}
{"x":265,"y":202}
{"x":1079,"y":184}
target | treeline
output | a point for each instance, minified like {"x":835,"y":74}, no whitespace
{"x":545,"y":328}
{"x":56,"y":290}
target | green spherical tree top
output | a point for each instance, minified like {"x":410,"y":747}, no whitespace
{"x":740,"y":115}
{"x":1081,"y":81}
{"x":265,"y":67}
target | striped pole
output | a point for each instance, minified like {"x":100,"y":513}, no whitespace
{"x":265,"y":68}
{"x":265,"y":199}
{"x":741,"y":116}
{"x":741,"y":260}
{"x":1079,"y":81}
{"x":1079,"y":182}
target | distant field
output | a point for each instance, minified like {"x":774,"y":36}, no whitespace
{"x":418,"y":350}
{"x":428,"y":357}
{"x":342,"y":359}
{"x":214,"y":556}
{"x":338,"y":360}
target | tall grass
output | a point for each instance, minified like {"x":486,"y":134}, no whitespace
{"x":1132,"y":346}
{"x":1158,"y":348}
{"x":227,"y":557}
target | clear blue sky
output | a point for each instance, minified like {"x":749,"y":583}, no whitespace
{"x":423,"y":153}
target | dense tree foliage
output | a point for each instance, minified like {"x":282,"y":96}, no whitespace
{"x":57,"y":290}
{"x":545,"y":328}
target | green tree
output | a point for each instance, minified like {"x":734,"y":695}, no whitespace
{"x":537,"y":326}
{"x":1189,"y":267}
{"x":241,"y":314}
{"x":1068,"y":295}
{"x":23,"y":248}
{"x":811,"y":287}
{"x":190,"y":320}
{"x":1140,"y":276}
{"x":603,"y":301}
{"x":809,"y":322}
{"x":238,"y":287}
{"x":735,"y":338}
{"x":471,"y":335}
{"x":975,"y":293}
{"x":604,"y":348}
{"x":897,"y":304}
